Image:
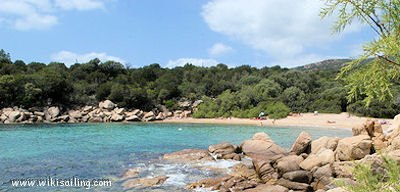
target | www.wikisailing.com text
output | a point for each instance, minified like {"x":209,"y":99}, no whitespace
{"x":56,"y":182}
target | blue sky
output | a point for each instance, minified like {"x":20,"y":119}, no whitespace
{"x":203,"y":32}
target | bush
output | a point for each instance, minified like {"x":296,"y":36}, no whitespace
{"x":375,"y":109}
{"x":367,"y":180}
{"x":277,"y":110}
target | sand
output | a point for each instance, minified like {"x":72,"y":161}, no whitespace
{"x":343,"y":120}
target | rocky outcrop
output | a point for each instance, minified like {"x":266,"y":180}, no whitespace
{"x":302,"y":144}
{"x":322,"y":158}
{"x":225,"y":151}
{"x":261,"y":146}
{"x":107,"y":111}
{"x":353,"y":148}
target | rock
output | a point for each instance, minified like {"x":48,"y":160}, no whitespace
{"x":119,"y":111}
{"x":343,"y":169}
{"x":186,"y":114}
{"x":298,"y":176}
{"x":76,"y":114}
{"x":268,"y":188}
{"x":144,"y":182}
{"x":184,"y":104}
{"x":38,"y":113}
{"x":208,"y":182}
{"x":288,"y":163}
{"x":302,"y":143}
{"x":394,"y":144}
{"x":150,"y":116}
{"x":107,"y":104}
{"x":52,"y":112}
{"x":63,"y":118}
{"x":261,"y":145}
{"x":188,"y":155}
{"x":338,"y":189}
{"x":293,"y":185}
{"x":117,"y":118}
{"x":324,"y":143}
{"x":197,"y":103}
{"x":353,"y":148}
{"x":324,"y":171}
{"x":243,"y":185}
{"x":131,"y":173}
{"x":132,"y":118}
{"x":242,"y":171}
{"x":86,"y":109}
{"x":264,"y":169}
{"x":395,"y":155}
{"x":376,"y":163}
{"x":323,"y":157}
{"x":96,"y":119}
{"x":221,"y":149}
{"x":13,"y":116}
{"x":359,"y":130}
{"x":160,"y":116}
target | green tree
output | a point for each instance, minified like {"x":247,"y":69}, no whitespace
{"x":374,"y":74}
{"x":295,"y":98}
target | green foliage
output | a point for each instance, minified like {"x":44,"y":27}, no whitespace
{"x":368,"y":180}
{"x":375,"y":80}
{"x":243,"y":91}
{"x":295,"y":98}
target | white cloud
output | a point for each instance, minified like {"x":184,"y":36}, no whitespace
{"x":40,"y":14}
{"x":280,"y":28}
{"x":69,"y":58}
{"x":193,"y":61}
{"x":219,"y":49}
{"x":79,"y":4}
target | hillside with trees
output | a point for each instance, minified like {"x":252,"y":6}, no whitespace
{"x":243,"y":91}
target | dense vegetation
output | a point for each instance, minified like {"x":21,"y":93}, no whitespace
{"x":243,"y":91}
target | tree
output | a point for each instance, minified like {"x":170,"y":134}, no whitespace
{"x":295,"y":98}
{"x":374,"y":74}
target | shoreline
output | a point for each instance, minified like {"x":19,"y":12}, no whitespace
{"x":324,"y":120}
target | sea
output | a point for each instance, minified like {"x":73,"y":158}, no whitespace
{"x":51,"y":153}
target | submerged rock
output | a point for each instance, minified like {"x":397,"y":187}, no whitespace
{"x":144,"y":182}
{"x":188,"y":156}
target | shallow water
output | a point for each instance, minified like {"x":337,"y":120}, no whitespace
{"x":88,"y":151}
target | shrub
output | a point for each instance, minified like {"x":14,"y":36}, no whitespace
{"x":277,"y":110}
{"x":367,"y":180}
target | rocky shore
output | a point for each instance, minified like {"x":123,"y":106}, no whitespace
{"x":310,"y":165}
{"x":106,"y":111}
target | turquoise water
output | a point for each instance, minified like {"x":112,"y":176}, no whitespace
{"x":107,"y":150}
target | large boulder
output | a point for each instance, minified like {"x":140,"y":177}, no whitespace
{"x":76,"y":114}
{"x":288,"y":163}
{"x":13,"y":116}
{"x":395,"y":155}
{"x":52,"y":113}
{"x":324,"y":171}
{"x":107,"y":104}
{"x":302,"y":144}
{"x":300,"y":176}
{"x":132,"y":118}
{"x":268,"y":188}
{"x":149,"y":116}
{"x":343,"y":169}
{"x":322,"y":158}
{"x":245,"y":172}
{"x":353,"y":148}
{"x":293,"y":185}
{"x":324,"y":143}
{"x":261,"y":145}
{"x":117,"y":117}
{"x":264,"y":169}
{"x":224,"y":151}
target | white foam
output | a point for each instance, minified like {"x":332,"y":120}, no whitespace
{"x":176,"y":180}
{"x":220,"y":163}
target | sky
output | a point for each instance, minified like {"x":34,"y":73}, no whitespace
{"x":175,"y":32}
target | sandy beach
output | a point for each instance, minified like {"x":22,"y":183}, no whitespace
{"x":342,"y":120}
